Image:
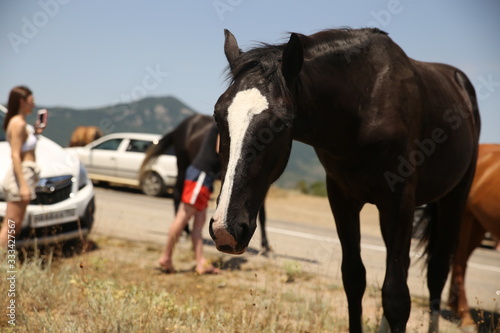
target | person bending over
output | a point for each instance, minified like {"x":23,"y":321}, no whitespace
{"x":198,"y":186}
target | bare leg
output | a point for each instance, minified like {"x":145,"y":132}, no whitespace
{"x":182,"y":217}
{"x":202,"y":267}
{"x":15,"y":213}
{"x":197,"y":239}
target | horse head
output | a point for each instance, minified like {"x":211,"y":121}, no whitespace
{"x":254,"y":116}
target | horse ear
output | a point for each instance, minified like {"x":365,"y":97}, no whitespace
{"x":231,"y":48}
{"x":293,"y":58}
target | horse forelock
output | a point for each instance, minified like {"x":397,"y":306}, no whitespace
{"x":260,"y":66}
{"x":264,"y":58}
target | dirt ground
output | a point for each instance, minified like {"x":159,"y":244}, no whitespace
{"x":299,"y":208}
{"x":265,"y":273}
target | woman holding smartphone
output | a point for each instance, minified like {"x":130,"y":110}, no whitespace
{"x":21,"y":179}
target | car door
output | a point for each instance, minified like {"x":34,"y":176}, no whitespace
{"x":130,"y":160}
{"x":103,"y":158}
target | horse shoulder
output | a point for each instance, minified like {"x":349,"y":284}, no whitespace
{"x":487,"y":172}
{"x":484,"y":194}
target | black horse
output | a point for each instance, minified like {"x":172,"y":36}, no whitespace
{"x":186,"y":140}
{"x":388,"y":130}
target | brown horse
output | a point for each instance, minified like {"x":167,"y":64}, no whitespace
{"x":482,"y":214}
{"x":83,"y":135}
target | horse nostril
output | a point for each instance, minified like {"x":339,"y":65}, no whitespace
{"x":222,"y":237}
{"x":226,"y":249}
{"x":245,"y":231}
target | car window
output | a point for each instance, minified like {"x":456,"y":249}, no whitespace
{"x":170,"y":151}
{"x":111,"y":144}
{"x":138,"y":146}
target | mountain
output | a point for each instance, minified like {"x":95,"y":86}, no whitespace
{"x":157,"y":115}
{"x":160,"y":115}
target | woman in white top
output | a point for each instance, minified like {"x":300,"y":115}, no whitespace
{"x":20,"y":181}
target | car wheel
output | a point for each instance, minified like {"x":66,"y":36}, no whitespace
{"x":88,"y":218}
{"x":152,"y":184}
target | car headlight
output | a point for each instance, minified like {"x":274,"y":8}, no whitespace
{"x":82,"y":177}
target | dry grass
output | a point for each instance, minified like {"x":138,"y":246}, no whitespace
{"x":115,"y":288}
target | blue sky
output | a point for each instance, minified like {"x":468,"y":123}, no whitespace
{"x":94,"y":53}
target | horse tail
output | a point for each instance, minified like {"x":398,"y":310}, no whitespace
{"x":425,"y":227}
{"x":154,"y":151}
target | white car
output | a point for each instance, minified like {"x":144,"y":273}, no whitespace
{"x":117,"y":158}
{"x":64,"y":207}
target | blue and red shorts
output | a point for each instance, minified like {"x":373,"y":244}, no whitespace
{"x":197,"y":188}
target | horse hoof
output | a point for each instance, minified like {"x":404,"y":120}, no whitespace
{"x":266,"y":252}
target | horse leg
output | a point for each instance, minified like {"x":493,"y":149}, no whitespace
{"x":346,"y":213}
{"x":396,"y":216}
{"x":471,"y":234}
{"x":442,"y":243}
{"x":262,"y":219}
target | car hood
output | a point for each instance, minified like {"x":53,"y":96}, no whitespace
{"x":52,"y":159}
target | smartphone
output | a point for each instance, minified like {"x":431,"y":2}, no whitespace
{"x":41,"y":118}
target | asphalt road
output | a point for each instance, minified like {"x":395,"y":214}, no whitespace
{"x":129,"y":214}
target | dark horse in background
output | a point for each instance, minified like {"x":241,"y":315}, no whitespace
{"x":482,"y":214}
{"x":388,"y":130}
{"x":186,"y":140}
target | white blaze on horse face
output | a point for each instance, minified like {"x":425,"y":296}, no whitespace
{"x":245,"y":105}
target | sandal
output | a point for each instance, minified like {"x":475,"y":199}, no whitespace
{"x":166,"y":269}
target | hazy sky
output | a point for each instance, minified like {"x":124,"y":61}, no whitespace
{"x":93,"y":53}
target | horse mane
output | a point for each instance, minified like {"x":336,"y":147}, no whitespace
{"x":345,"y":42}
{"x":265,"y":59}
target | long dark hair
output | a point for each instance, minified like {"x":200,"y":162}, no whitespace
{"x":16,"y":94}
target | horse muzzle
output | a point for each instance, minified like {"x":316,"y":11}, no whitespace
{"x":232,"y":240}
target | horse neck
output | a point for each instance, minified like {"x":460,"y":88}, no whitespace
{"x":327,"y":113}
{"x":336,"y":81}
